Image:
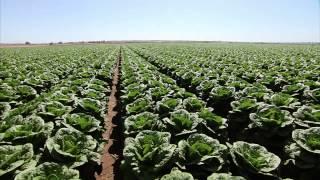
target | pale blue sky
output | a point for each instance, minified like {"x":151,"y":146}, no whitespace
{"x":228,"y":20}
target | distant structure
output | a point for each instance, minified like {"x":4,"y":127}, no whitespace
{"x":27,"y":43}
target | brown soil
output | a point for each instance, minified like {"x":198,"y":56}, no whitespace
{"x":112,"y":153}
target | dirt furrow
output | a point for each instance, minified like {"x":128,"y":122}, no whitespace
{"x":112,"y":153}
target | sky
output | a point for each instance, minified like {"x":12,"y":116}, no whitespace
{"x":42,"y":21}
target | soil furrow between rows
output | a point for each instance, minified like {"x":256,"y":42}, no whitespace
{"x":112,"y":153}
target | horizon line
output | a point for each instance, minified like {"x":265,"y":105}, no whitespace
{"x":155,"y":40}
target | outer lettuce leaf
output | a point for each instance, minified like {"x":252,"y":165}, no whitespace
{"x":224,"y":176}
{"x":176,"y":174}
{"x":313,"y":95}
{"x":4,"y":108}
{"x":49,"y":170}
{"x":13,"y":157}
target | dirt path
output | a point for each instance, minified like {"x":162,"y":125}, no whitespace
{"x":112,"y":153}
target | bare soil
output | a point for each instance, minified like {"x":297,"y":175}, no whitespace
{"x":112,"y":153}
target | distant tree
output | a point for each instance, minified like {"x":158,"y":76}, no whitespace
{"x":60,"y":42}
{"x":27,"y":43}
{"x":51,"y":43}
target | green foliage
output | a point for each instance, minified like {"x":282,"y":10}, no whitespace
{"x":50,"y":171}
{"x":253,"y":157}
{"x":72,"y":147}
{"x":148,"y":153}
{"x":13,"y":157}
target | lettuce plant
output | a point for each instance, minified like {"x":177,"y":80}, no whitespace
{"x":158,"y":92}
{"x":26,"y":92}
{"x":273,"y":82}
{"x":182,"y":93}
{"x":4,"y":108}
{"x":283,"y":100}
{"x":239,"y":84}
{"x":272,"y":120}
{"x":91,"y":106}
{"x":32,"y":129}
{"x":203,"y":151}
{"x":148,"y":153}
{"x":72,"y":147}
{"x":242,"y":107}
{"x":222,"y":94}
{"x":308,"y":139}
{"x":307,"y":116}
{"x":34,"y":82}
{"x":211,"y":124}
{"x":313,"y":95}
{"x":295,"y":90}
{"x":254,"y":158}
{"x":93,"y":94}
{"x":10,"y":121}
{"x":193,"y":104}
{"x":257,"y":91}
{"x":224,"y":176}
{"x":49,"y":170}
{"x":182,"y":122}
{"x":167,"y":105}
{"x":305,"y":149}
{"x":53,"y":109}
{"x":143,"y":121}
{"x":82,"y":122}
{"x":14,"y":157}
{"x":206,"y":86}
{"x":132,"y":95}
{"x":177,"y":174}
{"x":7,"y":93}
{"x":138,"y":106}
{"x":64,"y":98}
{"x":96,"y":87}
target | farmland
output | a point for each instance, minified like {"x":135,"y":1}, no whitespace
{"x":144,"y":111}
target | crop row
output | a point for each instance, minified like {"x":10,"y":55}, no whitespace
{"x":58,"y":134}
{"x":266,"y":103}
{"x":168,"y":128}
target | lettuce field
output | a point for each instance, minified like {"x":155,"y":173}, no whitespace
{"x":165,"y":111}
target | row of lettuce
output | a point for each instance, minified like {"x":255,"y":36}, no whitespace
{"x":58,"y":134}
{"x":255,"y":117}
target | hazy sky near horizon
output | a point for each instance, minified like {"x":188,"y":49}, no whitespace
{"x":226,"y":20}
